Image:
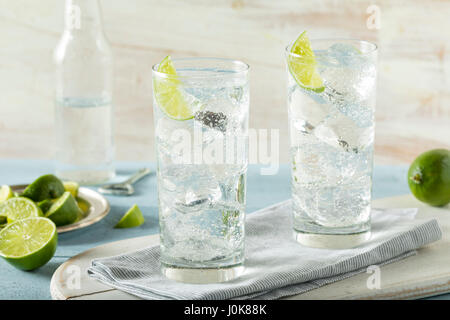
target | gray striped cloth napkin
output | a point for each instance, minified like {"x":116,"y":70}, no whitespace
{"x":276,"y":265}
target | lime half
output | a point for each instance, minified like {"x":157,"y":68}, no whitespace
{"x":29,"y":243}
{"x":132,"y":218}
{"x":168,"y":94}
{"x":45,"y":187}
{"x":19,"y":208}
{"x":64,"y":211}
{"x":6,"y":193}
{"x":302,"y":65}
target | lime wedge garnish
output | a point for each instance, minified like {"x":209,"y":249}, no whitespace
{"x":45,"y":187}
{"x":168,"y":95}
{"x":29,"y":243}
{"x":6,"y":193}
{"x":19,"y":208}
{"x":64,"y":211}
{"x":72,"y":187}
{"x":302,"y":65}
{"x":132,"y":218}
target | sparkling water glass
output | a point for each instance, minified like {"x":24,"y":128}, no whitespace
{"x":201,"y":131}
{"x":331,"y":144}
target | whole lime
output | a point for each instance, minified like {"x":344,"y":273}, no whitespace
{"x":429,"y":177}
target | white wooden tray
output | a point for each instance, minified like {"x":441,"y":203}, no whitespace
{"x":422,"y":275}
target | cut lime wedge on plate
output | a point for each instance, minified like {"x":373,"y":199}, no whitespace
{"x":5,"y":193}
{"x":64,"y":210}
{"x":168,"y":95}
{"x":302,"y":65}
{"x":72,"y":187}
{"x":132,"y":218}
{"x":84,"y":206}
{"x":19,"y":208}
{"x":29,"y":243}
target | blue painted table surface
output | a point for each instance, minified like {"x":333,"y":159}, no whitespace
{"x":261,"y":192}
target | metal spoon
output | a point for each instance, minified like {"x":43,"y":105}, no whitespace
{"x":124,"y":188}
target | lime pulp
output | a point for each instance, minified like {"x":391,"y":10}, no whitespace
{"x":168,"y":94}
{"x":19,"y":208}
{"x":302,"y":65}
{"x":132,"y":218}
{"x":29,"y":243}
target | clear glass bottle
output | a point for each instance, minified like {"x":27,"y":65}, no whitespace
{"x":84,"y":111}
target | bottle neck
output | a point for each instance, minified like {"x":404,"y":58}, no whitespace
{"x":82,"y":16}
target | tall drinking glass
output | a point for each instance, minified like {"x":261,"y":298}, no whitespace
{"x":201,"y":110}
{"x":331,"y":142}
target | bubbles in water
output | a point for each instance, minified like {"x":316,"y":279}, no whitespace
{"x":236,"y":95}
{"x":309,"y":110}
{"x":165,"y":128}
{"x":342,"y":132}
{"x":347,"y":73}
{"x":332,"y":138}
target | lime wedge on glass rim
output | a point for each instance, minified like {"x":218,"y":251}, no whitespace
{"x":167,"y":93}
{"x":29,"y":243}
{"x":302,"y":65}
{"x":132,"y":218}
{"x":19,"y":208}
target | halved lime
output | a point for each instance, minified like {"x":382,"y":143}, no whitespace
{"x":64,"y":211}
{"x":45,"y":187}
{"x":168,"y":94}
{"x":72,"y":187}
{"x":302,"y":65}
{"x":19,"y":208}
{"x":6,"y":193}
{"x":29,"y":243}
{"x":132,"y":218}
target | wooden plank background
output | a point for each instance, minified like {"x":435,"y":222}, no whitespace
{"x":413,"y":109}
